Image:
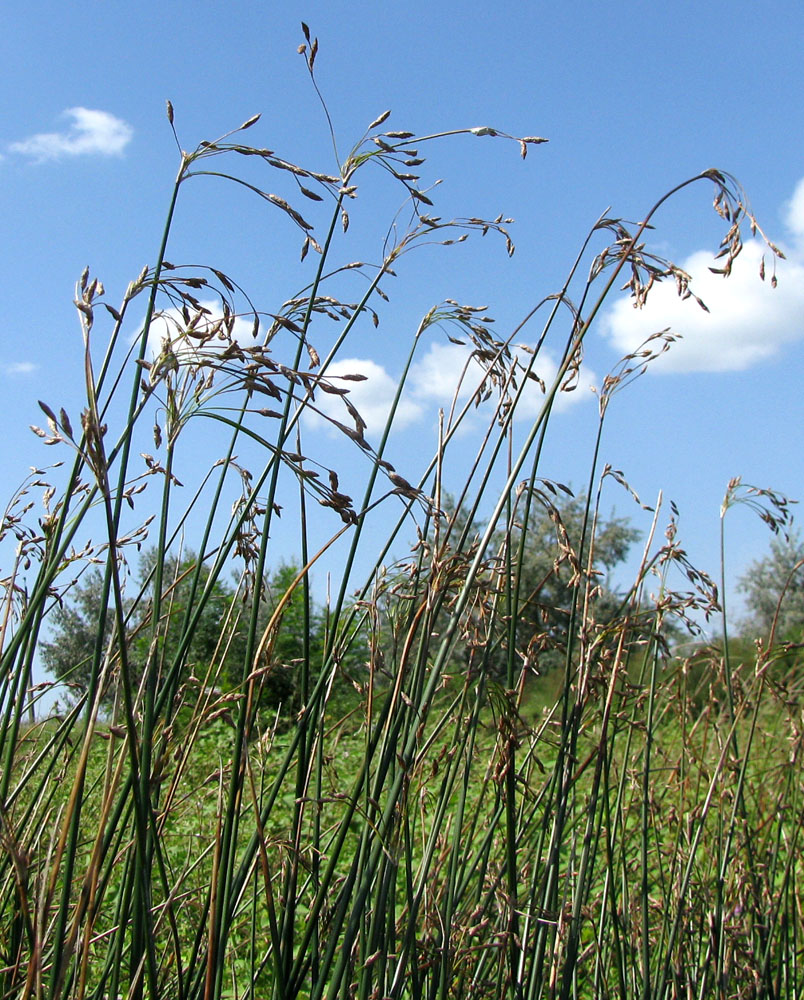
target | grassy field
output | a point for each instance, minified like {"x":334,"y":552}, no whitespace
{"x":650,"y":842}
{"x":461,"y":801}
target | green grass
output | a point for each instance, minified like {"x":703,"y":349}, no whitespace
{"x":648,"y":859}
{"x":437,"y":817}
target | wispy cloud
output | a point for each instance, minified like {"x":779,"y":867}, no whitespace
{"x":90,"y":133}
{"x":21,"y":368}
{"x":794,"y":215}
{"x":748,"y":321}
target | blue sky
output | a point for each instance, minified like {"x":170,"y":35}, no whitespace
{"x":633,"y":98}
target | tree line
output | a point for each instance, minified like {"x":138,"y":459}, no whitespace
{"x":773,"y":587}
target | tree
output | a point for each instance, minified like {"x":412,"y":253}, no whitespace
{"x":555,"y":556}
{"x":75,"y":627}
{"x":214,"y":635}
{"x":297,"y":647}
{"x":218,"y":637}
{"x":75,"y":624}
{"x":551,"y":543}
{"x":774,"y":589}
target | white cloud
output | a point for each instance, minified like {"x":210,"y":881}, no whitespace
{"x":90,"y":133}
{"x":748,"y":321}
{"x":431,"y":384}
{"x":794,"y":213}
{"x":168,"y":327}
{"x":435,"y":378}
{"x":371,"y":398}
{"x":21,"y":368}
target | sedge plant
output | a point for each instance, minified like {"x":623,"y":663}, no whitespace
{"x":423,"y":820}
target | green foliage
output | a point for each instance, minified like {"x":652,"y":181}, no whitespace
{"x":702,"y":671}
{"x":214,"y":632}
{"x":557,"y":565}
{"x":75,"y":624}
{"x":298,"y":644}
{"x":217,"y":637}
{"x":774,"y":591}
{"x":560,"y":549}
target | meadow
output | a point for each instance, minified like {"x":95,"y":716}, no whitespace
{"x":464,"y":791}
